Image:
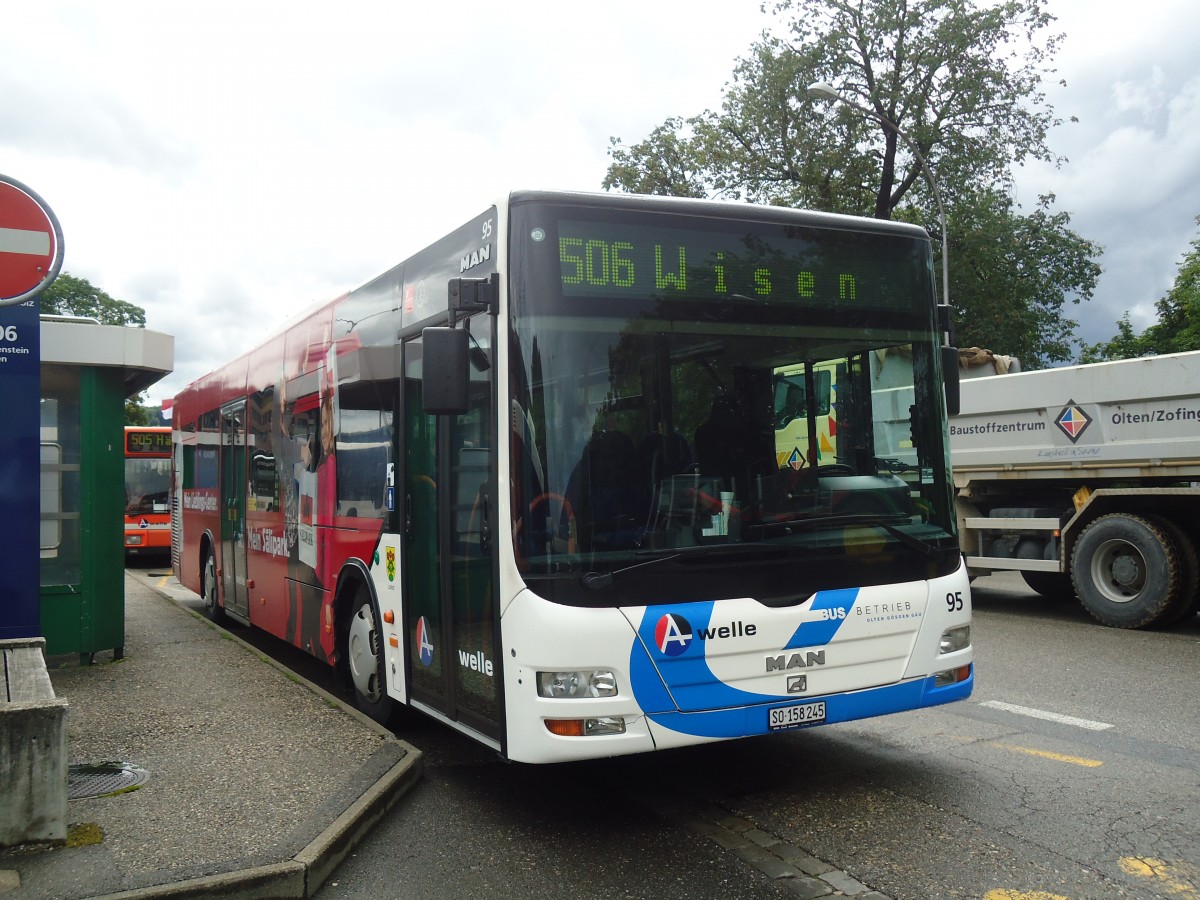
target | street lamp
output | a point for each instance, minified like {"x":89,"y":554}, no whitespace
{"x":822,"y":91}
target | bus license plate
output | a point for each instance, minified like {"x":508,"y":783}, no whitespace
{"x":794,"y":716}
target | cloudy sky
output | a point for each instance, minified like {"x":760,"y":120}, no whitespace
{"x":226,"y":164}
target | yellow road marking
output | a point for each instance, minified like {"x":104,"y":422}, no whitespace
{"x":1009,"y":894}
{"x":1057,"y":757}
{"x":1178,"y":880}
{"x":162,"y":582}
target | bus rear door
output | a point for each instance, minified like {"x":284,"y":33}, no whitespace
{"x":234,"y":586}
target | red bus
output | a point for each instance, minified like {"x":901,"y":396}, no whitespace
{"x":147,"y":490}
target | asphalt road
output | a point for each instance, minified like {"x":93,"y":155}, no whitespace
{"x":1073,"y":772}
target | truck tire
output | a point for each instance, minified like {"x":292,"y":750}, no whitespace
{"x":1051,"y":585}
{"x":1127,"y":571}
{"x":1185,"y":607}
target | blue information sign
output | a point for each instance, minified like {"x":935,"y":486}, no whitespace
{"x":31,"y":251}
{"x":20,"y":463}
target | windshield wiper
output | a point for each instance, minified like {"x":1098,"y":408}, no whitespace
{"x":594,"y":581}
{"x":807,"y":523}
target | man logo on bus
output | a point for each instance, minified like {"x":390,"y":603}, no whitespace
{"x":424,"y":645}
{"x":672,"y":634}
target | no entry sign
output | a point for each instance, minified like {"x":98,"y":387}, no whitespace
{"x":30,"y":243}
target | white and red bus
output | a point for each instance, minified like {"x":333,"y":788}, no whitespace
{"x":147,"y":490}
{"x":527,"y":481}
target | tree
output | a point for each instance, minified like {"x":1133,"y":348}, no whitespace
{"x":71,"y":296}
{"x":1178,"y":326}
{"x":1012,"y":274}
{"x":136,"y":414}
{"x":963,"y":84}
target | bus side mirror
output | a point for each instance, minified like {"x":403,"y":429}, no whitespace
{"x":445,"y":378}
{"x":950,"y":374}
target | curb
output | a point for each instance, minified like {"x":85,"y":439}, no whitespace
{"x":303,"y":874}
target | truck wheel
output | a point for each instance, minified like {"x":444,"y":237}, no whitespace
{"x":1052,"y":585}
{"x":1185,"y":607}
{"x":1127,"y":571}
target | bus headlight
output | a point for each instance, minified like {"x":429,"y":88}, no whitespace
{"x":132,"y":539}
{"x":586,"y":727}
{"x":576,"y":685}
{"x":955,"y":639}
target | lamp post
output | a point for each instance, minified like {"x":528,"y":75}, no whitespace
{"x":822,"y":91}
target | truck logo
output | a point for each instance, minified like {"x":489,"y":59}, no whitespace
{"x":1072,"y":421}
{"x":797,"y":684}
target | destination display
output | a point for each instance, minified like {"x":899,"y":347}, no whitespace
{"x":767,"y":264}
{"x":147,"y":443}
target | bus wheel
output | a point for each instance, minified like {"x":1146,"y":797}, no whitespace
{"x":208,"y":588}
{"x":364,"y":658}
{"x":1127,"y":571}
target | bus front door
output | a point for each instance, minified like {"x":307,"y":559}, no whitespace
{"x":234,"y":587}
{"x":449,"y":570}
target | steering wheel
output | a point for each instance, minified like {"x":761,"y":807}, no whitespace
{"x":539,"y":501}
{"x":836,"y":469}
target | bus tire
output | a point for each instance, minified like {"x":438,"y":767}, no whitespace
{"x":363,"y":646}
{"x":208,"y":587}
{"x":1051,"y":585}
{"x":1127,"y":571}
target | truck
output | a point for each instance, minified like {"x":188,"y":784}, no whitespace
{"x":1085,"y":479}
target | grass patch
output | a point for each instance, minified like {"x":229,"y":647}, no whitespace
{"x":84,"y":834}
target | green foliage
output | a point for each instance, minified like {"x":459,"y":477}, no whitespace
{"x":1012,"y":274}
{"x":1178,"y":327}
{"x":71,"y":296}
{"x":962,"y":82}
{"x":136,"y":414}
{"x":1124,"y":345}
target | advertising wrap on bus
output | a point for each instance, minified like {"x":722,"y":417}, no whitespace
{"x":600,"y":474}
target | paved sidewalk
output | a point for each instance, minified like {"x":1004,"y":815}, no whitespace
{"x":257,"y":783}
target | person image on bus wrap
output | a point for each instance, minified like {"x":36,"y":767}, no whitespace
{"x":306,"y":461}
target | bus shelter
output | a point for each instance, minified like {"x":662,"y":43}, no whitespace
{"x":88,"y":370}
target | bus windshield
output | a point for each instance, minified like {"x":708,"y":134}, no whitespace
{"x":711,"y":408}
{"x":147,"y":486}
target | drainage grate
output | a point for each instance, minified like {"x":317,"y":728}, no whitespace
{"x":104,"y":779}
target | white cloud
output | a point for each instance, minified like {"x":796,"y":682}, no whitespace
{"x":1131,"y":183}
{"x":223,"y":164}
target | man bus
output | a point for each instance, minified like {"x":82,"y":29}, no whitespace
{"x":527,"y":481}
